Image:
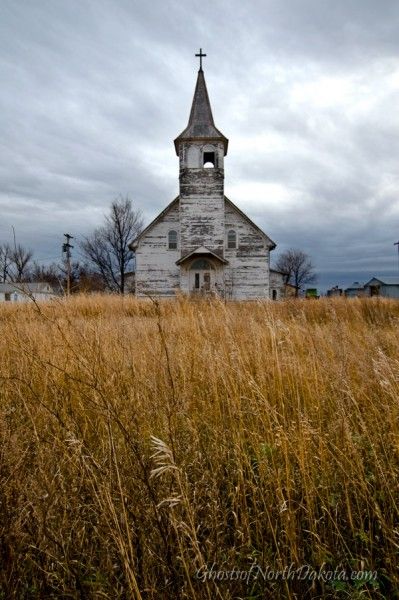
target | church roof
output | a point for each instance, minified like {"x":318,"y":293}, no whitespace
{"x":200,"y":124}
{"x":133,"y":245}
{"x":272,"y":245}
{"x":203,"y":251}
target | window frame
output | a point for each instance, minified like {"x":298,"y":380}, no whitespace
{"x":230,"y":242}
{"x":173,"y":245}
{"x":201,"y":264}
{"x":209,"y":157}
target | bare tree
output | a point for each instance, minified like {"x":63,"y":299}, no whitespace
{"x":83,"y":279}
{"x":297,"y":268}
{"x":5,"y":262}
{"x":20,"y":259}
{"x":107,"y":249}
{"x":46,"y":273}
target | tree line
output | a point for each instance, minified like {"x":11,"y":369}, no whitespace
{"x":106,"y":256}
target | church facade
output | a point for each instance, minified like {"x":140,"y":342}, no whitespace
{"x":201,"y":243}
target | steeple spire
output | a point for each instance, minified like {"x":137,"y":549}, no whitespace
{"x":200,"y":124}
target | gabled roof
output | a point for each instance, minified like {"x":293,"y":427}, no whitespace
{"x":201,"y":251}
{"x":270,"y":242}
{"x":385,"y":281}
{"x":134,"y":243}
{"x":355,"y":286}
{"x":200,"y":124}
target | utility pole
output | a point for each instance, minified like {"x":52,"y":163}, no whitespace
{"x":66,"y":248}
{"x":397,"y":244}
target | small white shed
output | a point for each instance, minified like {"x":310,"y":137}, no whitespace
{"x":25,"y":292}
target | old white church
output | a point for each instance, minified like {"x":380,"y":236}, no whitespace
{"x":202,"y":243}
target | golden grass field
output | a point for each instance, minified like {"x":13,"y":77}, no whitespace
{"x":163,"y":451}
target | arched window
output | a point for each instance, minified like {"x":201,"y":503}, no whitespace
{"x":209,"y":160}
{"x":172,"y":240}
{"x":231,"y":239}
{"x":201,"y":264}
{"x":208,"y":157}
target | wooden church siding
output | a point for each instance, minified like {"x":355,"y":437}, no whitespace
{"x":202,"y":228}
{"x":157,"y":272}
{"x":247,"y":274}
{"x":201,"y":209}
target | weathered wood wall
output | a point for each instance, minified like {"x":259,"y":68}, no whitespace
{"x":201,"y":200}
{"x":202,"y":216}
{"x":247,"y":274}
{"x":156,"y":271}
{"x":276,"y":282}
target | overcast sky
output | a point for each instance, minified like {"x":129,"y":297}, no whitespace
{"x":93,"y":92}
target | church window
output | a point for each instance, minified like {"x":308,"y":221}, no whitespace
{"x":172,"y":240}
{"x":201,"y":264}
{"x":231,"y":239}
{"x":209,"y":160}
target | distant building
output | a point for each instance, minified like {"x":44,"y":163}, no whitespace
{"x":356,"y":290}
{"x":388,"y":287}
{"x":291,"y":290}
{"x":25,"y":292}
{"x":334,"y":292}
{"x":312,"y":293}
{"x":277,"y":285}
{"x":278,"y":288}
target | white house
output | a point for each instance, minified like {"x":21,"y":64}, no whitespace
{"x":24,"y":292}
{"x":202,"y":243}
{"x":387,"y":287}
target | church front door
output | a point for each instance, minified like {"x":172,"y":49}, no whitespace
{"x":201,"y":276}
{"x":201,"y":281}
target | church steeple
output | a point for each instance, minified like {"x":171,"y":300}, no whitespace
{"x":201,"y":149}
{"x":201,"y":126}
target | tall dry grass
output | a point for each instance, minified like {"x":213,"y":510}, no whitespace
{"x":146,"y":448}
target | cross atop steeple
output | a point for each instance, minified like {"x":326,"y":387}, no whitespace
{"x":200,"y":55}
{"x":201,"y":127}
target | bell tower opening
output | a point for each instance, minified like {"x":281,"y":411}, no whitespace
{"x":209,"y":160}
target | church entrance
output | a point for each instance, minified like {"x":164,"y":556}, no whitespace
{"x":202,"y":276}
